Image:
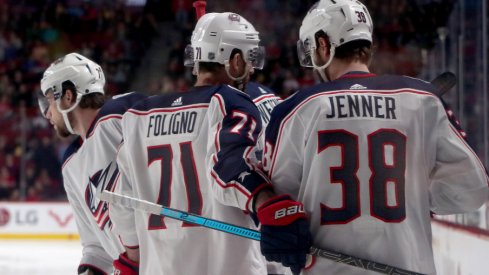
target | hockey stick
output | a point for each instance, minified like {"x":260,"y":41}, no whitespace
{"x":444,"y":82}
{"x":160,"y":210}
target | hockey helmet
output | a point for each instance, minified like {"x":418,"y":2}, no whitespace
{"x":342,"y":20}
{"x":216,"y":35}
{"x":86,"y":75}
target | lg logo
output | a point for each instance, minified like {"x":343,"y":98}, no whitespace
{"x":19,"y":217}
{"x":29,"y":217}
{"x":4,"y":216}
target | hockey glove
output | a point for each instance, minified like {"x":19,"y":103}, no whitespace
{"x":125,"y":266}
{"x":285,"y":235}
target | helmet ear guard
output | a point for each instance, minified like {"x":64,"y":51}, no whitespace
{"x":304,"y":49}
{"x":43,"y":103}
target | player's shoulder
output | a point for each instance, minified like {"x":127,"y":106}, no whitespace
{"x":365,"y":81}
{"x":119,"y":104}
{"x":233,"y":96}
{"x":399,"y":82}
{"x":72,"y":149}
{"x":255,"y":90}
{"x":196,"y":96}
{"x":299,"y":97}
{"x":231,"y":99}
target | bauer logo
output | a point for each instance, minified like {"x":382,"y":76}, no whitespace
{"x":4,"y":216}
{"x":291,"y":210}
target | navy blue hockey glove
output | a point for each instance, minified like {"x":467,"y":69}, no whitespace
{"x":285,"y":235}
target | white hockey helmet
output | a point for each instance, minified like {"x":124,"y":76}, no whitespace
{"x":86,"y":75}
{"x":216,"y":35}
{"x":342,"y":20}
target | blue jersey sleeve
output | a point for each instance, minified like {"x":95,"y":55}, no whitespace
{"x":237,"y":136}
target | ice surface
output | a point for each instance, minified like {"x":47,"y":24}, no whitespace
{"x":33,"y":257}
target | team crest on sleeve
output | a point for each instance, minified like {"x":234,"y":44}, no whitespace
{"x":101,"y":180}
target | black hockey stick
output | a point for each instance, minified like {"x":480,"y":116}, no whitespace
{"x":160,"y":210}
{"x":444,"y":82}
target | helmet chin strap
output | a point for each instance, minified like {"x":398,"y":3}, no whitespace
{"x":238,"y":81}
{"x":321,"y":69}
{"x":65,"y":112}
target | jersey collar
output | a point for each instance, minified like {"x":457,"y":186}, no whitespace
{"x":356,"y":74}
{"x":92,"y":125}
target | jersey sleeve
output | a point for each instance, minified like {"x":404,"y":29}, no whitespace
{"x":93,"y":253}
{"x":284,"y":149}
{"x":459,"y":181}
{"x":124,"y":217}
{"x":235,"y":128}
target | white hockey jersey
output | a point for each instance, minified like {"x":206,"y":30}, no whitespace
{"x":265,"y":100}
{"x":369,"y":157}
{"x":185,"y":151}
{"x":88,"y":169}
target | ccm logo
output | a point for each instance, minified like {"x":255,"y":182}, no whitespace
{"x":291,"y":210}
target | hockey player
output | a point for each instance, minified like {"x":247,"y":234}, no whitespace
{"x":368,"y":156}
{"x":178,"y":147}
{"x":74,"y":102}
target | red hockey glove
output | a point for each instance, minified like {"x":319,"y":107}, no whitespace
{"x":124,"y":266}
{"x":285,"y":235}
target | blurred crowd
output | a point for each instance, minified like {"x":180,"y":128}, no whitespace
{"x":32,"y":34}
{"x":116,"y":33}
{"x":401,"y":30}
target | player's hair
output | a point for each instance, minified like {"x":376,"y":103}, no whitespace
{"x":210,"y":67}
{"x":88,"y":101}
{"x":354,"y":50}
{"x":214,"y":67}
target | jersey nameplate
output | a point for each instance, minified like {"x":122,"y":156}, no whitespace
{"x":348,"y":106}
{"x":171,"y":124}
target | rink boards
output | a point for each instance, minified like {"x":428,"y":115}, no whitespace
{"x":32,"y":232}
{"x":40,"y":220}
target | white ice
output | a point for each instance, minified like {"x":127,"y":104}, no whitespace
{"x":28,"y":257}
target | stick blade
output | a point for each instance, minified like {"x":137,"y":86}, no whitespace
{"x":444,"y":82}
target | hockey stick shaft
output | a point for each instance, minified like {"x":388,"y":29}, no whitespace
{"x":160,"y":210}
{"x":444,"y":82}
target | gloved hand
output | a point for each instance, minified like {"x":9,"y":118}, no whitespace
{"x":125,"y":266}
{"x":285,"y":235}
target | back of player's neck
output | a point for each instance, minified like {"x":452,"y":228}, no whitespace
{"x":340,"y":69}
{"x":208,"y":79}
